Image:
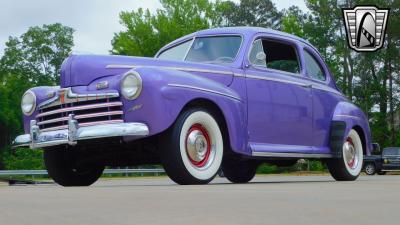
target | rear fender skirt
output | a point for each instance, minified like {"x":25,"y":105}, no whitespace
{"x":337,"y":134}
{"x":352,"y":116}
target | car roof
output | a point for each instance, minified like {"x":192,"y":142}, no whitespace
{"x":245,"y":31}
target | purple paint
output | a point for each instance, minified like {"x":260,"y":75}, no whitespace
{"x":265,"y":115}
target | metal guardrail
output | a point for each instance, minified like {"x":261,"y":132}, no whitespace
{"x":106,"y":171}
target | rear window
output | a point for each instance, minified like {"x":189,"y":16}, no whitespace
{"x":391,"y":151}
{"x":314,"y":69}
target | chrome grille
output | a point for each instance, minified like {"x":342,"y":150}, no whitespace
{"x":88,"y":111}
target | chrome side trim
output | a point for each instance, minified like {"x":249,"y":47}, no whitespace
{"x":239,"y":75}
{"x":66,"y":95}
{"x":204,"y":89}
{"x":278,"y":80}
{"x":83,"y":125}
{"x":186,"y":69}
{"x":77,"y":108}
{"x":84,"y":116}
{"x":293,"y":82}
{"x":349,"y":116}
{"x":327,"y":89}
{"x":290,"y":155}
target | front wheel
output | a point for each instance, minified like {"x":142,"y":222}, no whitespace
{"x":370,"y":169}
{"x":348,"y":167}
{"x":192,"y":149}
{"x":60,"y":164}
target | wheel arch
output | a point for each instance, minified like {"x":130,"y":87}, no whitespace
{"x":353,"y":118}
{"x":216,"y":110}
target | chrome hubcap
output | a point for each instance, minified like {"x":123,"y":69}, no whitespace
{"x":350,"y":154}
{"x":198,"y":146}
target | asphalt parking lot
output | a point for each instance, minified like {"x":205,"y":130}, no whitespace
{"x":274,"y":200}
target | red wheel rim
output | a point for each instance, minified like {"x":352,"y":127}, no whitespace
{"x":196,"y":137}
{"x":353,"y":158}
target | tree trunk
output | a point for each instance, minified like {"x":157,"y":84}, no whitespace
{"x":391,"y":103}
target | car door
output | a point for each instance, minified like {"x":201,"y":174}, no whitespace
{"x":279,"y":100}
{"x":325,"y":98}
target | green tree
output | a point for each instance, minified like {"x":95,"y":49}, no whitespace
{"x":261,"y":13}
{"x":146,"y":33}
{"x":33,"y":59}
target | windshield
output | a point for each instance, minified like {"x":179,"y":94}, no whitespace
{"x":215,"y":50}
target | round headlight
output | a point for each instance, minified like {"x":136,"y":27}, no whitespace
{"x":28,"y":103}
{"x":131,"y":85}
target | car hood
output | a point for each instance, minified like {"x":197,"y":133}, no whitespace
{"x":81,"y":70}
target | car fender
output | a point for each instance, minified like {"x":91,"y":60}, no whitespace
{"x":42,"y":94}
{"x":166,"y":92}
{"x":353,"y":116}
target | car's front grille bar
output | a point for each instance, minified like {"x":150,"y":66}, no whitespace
{"x":88,"y":111}
{"x":78,"y":108}
{"x":84,"y":116}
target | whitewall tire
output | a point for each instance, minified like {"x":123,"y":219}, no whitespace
{"x":348,"y":166}
{"x":193,"y":148}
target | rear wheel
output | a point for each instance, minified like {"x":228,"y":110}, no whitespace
{"x":370,"y":168}
{"x":193,"y":148}
{"x":348,"y":167}
{"x":60,"y":164}
{"x":238,"y":170}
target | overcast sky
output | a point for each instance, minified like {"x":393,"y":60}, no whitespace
{"x":94,"y":21}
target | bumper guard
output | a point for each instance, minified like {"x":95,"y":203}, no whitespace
{"x":36,"y":139}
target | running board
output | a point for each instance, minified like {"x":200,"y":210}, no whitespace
{"x":291,"y":155}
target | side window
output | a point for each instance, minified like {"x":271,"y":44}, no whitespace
{"x":280,"y":56}
{"x":177,"y":52}
{"x":257,"y":56}
{"x":314,"y":70}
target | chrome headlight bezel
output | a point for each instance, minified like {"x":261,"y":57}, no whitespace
{"x":24,"y":101}
{"x":133,"y":81}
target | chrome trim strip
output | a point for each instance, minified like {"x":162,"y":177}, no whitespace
{"x":278,"y":80}
{"x":84,"y":116}
{"x":290,"y":155}
{"x":327,"y":89}
{"x":83,"y":107}
{"x":70,"y":96}
{"x":239,"y":75}
{"x":83,"y":125}
{"x":186,"y":69}
{"x":204,"y":89}
{"x":293,"y":82}
{"x":350,"y":116}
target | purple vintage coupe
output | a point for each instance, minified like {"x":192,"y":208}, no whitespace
{"x":227,"y":98}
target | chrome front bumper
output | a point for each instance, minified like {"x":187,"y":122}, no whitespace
{"x":74,"y":133}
